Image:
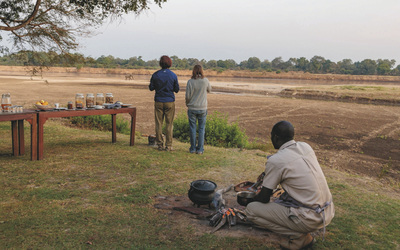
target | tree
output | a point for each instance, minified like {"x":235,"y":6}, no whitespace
{"x":316,"y":64}
{"x":56,"y":24}
{"x":346,"y":66}
{"x":253,"y":63}
{"x":385,"y":66}
{"x":277,"y":63}
{"x":243,"y":64}
{"x":366,"y":67}
{"x":192,"y":62}
{"x":266,"y":65}
{"x":211,"y":64}
{"x":302,"y":64}
{"x":230,"y":64}
{"x":106,"y":61}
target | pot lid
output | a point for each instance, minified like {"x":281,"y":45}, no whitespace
{"x":203,"y":185}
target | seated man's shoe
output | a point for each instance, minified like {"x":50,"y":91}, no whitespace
{"x":168,"y":149}
{"x":303,"y":242}
{"x":160,"y":148}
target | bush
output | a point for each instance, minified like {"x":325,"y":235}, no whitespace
{"x":101,"y":122}
{"x":218,"y":131}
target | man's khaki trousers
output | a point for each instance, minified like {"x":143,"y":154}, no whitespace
{"x":276,"y":218}
{"x":164,"y":110}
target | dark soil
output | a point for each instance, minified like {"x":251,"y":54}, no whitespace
{"x":358,"y":138}
{"x":183,"y":212}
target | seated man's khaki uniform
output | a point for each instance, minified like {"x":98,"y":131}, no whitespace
{"x":306,"y":205}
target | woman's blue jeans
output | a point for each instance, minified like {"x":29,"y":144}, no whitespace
{"x":195,"y":116}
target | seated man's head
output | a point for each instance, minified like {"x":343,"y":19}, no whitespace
{"x":281,"y":133}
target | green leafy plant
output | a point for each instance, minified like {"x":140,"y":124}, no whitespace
{"x":219,"y":132}
{"x":101,"y":122}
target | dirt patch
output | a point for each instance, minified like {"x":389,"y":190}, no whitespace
{"x":183,"y":212}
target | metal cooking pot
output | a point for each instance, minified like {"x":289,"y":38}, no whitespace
{"x":202,"y":192}
{"x":245,"y":197}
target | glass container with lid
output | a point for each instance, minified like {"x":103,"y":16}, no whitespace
{"x":89,"y":100}
{"x":99,"y":99}
{"x":6,"y":102}
{"x":109,"y":98}
{"x":79,"y":101}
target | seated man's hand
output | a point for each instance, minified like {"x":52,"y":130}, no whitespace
{"x":263,"y":195}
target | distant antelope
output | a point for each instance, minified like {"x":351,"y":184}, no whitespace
{"x":129,"y":77}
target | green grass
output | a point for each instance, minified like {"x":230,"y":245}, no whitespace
{"x":88,"y":192}
{"x":362,"y":88}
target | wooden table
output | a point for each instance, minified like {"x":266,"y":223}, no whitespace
{"x":42,"y":117}
{"x":17,"y":131}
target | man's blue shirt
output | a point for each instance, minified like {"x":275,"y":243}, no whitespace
{"x":165,"y":83}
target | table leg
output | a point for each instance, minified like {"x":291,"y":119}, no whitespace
{"x":34,"y":138}
{"x":14,"y":135}
{"x":133,"y":127}
{"x":21,"y":137}
{"x":114,"y":127}
{"x":40,"y":146}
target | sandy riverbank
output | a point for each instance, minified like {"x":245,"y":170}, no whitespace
{"x":212,"y":73}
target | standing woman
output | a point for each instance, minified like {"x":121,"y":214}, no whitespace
{"x":196,"y":101}
{"x":165,"y":83}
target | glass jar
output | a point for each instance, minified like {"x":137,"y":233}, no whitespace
{"x":6,"y":102}
{"x":70,"y":105}
{"x":109,"y":98}
{"x":79,"y":101}
{"x":13,"y":109}
{"x":89,"y":101}
{"x":99,"y":99}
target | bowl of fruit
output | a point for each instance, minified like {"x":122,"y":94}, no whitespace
{"x":43,"y":105}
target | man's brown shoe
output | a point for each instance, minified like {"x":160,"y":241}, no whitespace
{"x":303,"y":242}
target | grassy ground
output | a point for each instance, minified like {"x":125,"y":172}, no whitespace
{"x":88,"y":192}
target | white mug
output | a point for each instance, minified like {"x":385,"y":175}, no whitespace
{"x":56,"y":105}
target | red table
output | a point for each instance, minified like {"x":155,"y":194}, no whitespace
{"x":17,"y":131}
{"x":42,"y":117}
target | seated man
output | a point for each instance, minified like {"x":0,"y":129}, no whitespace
{"x":306,"y":205}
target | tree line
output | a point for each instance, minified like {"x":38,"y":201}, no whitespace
{"x":315,"y":65}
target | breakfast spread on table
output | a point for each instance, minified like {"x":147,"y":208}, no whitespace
{"x":90,"y":102}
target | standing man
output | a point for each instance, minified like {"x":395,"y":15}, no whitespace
{"x":306,"y":205}
{"x":165,"y":83}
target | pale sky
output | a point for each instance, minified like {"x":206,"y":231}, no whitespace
{"x":238,"y":29}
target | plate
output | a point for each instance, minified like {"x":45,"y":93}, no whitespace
{"x":98,"y":107}
{"x":125,"y":105}
{"x":61,"y":109}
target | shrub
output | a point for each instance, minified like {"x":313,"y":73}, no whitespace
{"x":218,"y":131}
{"x":101,"y":122}
{"x":181,"y":127}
